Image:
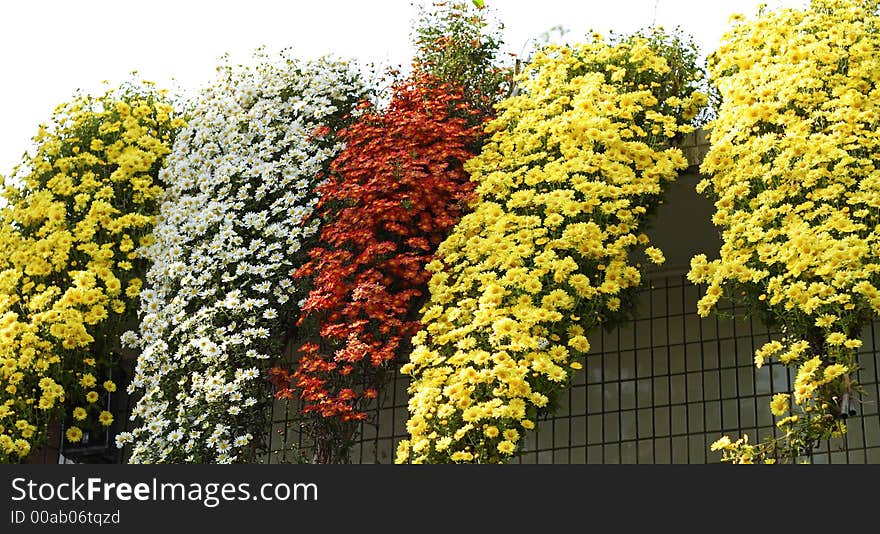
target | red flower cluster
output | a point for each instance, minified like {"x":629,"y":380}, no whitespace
{"x":393,"y":195}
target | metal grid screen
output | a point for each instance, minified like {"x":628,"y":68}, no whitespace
{"x":658,"y":390}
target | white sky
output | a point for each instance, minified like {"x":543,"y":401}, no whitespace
{"x":49,"y":48}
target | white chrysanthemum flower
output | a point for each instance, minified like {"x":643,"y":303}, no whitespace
{"x":229,"y":232}
{"x":231,"y":226}
{"x":129,"y":339}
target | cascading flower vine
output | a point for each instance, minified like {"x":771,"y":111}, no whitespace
{"x":232,"y":227}
{"x":575,"y":162}
{"x":392,"y":196}
{"x":69,"y":272}
{"x":794,"y":176}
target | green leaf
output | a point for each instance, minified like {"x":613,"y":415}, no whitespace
{"x":479,"y":3}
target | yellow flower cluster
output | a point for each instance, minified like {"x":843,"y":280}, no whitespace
{"x":739,"y":451}
{"x":574,"y":162}
{"x":795,"y":180}
{"x":75,"y":211}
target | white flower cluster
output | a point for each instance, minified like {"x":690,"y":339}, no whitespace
{"x":219,"y":296}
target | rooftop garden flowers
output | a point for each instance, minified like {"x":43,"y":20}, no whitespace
{"x":794,"y":176}
{"x":76,"y":211}
{"x":219,"y":297}
{"x":574,"y":164}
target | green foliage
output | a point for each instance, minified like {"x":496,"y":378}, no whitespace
{"x":458,"y":45}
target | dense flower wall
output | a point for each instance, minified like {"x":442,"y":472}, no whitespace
{"x":793,"y":173}
{"x":233,"y":226}
{"x":299,"y":236}
{"x":77,"y":209}
{"x":392,"y":196}
{"x":575,"y":162}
